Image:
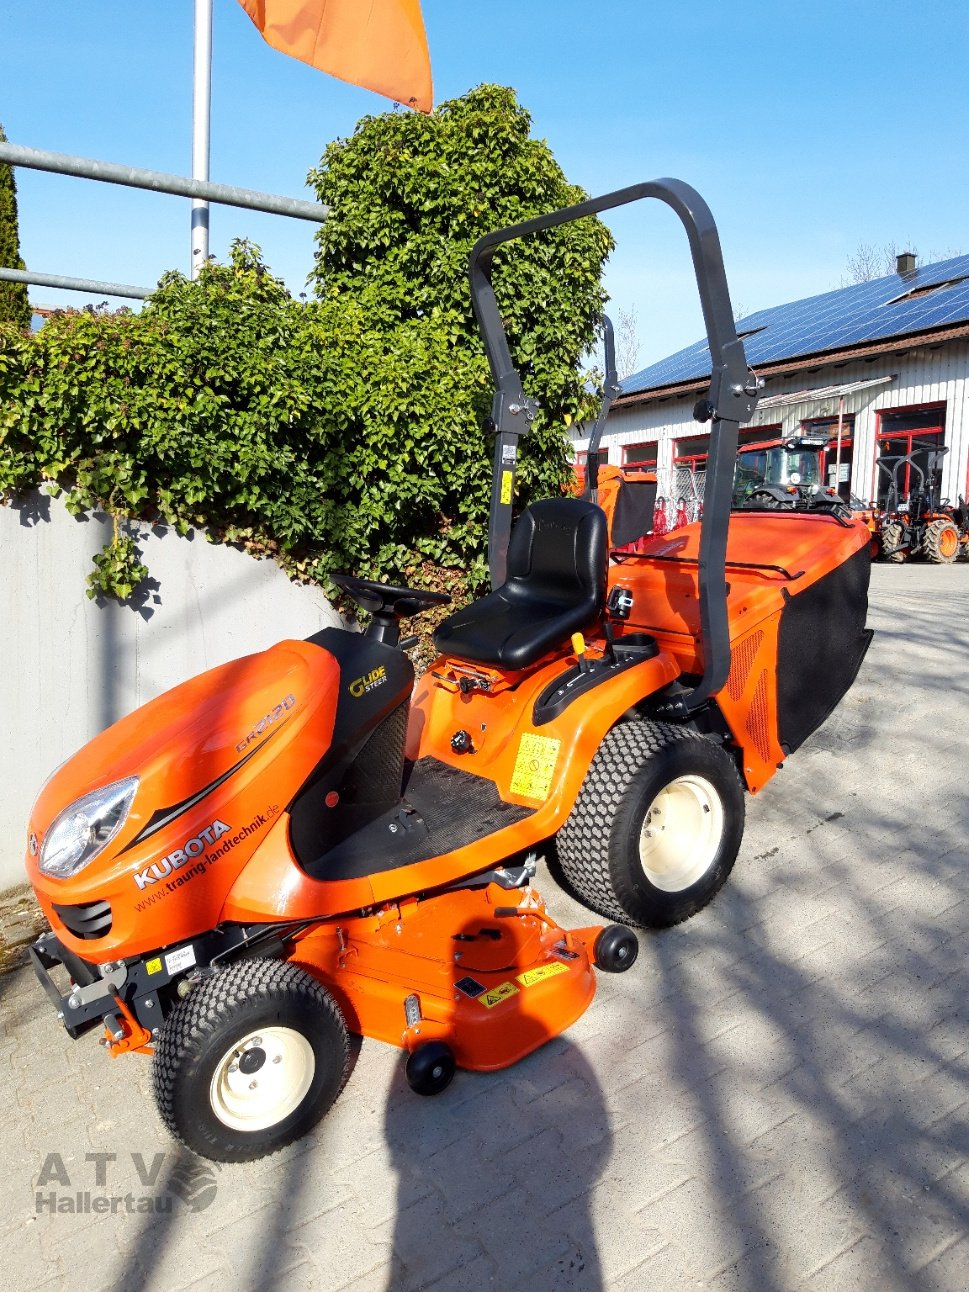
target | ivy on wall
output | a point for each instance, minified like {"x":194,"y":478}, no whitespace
{"x":338,"y":433}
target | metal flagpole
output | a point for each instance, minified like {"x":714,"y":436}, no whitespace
{"x":201,"y":112}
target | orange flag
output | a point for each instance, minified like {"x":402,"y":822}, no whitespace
{"x":379,"y":44}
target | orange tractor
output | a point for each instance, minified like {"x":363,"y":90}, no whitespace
{"x":300,"y":844}
{"x":918,"y":523}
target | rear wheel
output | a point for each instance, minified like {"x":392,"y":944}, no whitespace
{"x":250,"y":1061}
{"x":656,"y":826}
{"x":941,"y":545}
{"x":892,"y":535}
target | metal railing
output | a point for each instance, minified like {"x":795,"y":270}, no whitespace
{"x":156,"y":182}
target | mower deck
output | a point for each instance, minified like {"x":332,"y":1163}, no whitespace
{"x":493,"y":980}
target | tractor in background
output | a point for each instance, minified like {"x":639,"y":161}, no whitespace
{"x":920,"y":524}
{"x":782,"y":473}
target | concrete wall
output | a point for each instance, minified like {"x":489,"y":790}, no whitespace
{"x":70,"y":666}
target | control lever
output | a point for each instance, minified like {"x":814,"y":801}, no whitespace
{"x":578,"y":645}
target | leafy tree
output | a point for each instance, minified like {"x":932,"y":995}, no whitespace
{"x":14,"y":306}
{"x":409,"y":195}
{"x":290,"y":428}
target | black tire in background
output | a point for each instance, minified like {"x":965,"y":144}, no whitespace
{"x":891,"y":536}
{"x":656,"y":826}
{"x":250,"y":1061}
{"x":766,"y":498}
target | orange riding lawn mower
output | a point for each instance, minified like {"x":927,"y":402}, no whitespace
{"x":300,"y":845}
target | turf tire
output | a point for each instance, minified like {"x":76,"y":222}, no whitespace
{"x":200,"y":1035}
{"x":600,"y":846}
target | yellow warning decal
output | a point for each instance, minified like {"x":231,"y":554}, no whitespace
{"x":535,"y":766}
{"x":531,"y":976}
{"x":154,"y":966}
{"x":497,"y":995}
{"x":507,"y":479}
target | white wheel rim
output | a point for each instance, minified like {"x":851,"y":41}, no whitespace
{"x":681,"y":834}
{"x":262,"y":1079}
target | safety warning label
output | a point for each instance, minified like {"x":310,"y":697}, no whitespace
{"x":532,"y":976}
{"x":498,"y":994}
{"x":535,"y":766}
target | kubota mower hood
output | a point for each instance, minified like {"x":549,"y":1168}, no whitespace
{"x":163,"y":785}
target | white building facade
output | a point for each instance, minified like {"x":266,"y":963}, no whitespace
{"x":883,"y":397}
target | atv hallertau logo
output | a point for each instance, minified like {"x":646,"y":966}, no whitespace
{"x":189,"y":850}
{"x":168,"y":1175}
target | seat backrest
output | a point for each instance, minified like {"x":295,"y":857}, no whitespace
{"x":555,"y":586}
{"x":558,"y":552}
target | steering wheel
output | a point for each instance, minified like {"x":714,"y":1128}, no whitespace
{"x":388,"y":604}
{"x":384,"y":598}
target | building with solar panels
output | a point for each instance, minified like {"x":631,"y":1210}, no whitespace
{"x":878,"y":368}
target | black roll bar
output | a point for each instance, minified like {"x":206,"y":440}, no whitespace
{"x":891,"y":464}
{"x":731,"y":401}
{"x":610,"y":389}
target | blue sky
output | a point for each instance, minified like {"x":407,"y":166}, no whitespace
{"x":809,"y":128}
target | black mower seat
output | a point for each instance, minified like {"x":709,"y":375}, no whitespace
{"x":555,"y":586}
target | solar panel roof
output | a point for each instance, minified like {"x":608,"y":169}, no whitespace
{"x":930,"y":297}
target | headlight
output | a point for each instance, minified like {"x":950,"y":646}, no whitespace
{"x":80,"y":832}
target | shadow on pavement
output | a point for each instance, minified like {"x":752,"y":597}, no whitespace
{"x":506,"y":1167}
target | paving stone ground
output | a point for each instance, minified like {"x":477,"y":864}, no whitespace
{"x":776,"y":1097}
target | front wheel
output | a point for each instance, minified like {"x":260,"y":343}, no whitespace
{"x":893,"y":536}
{"x":656,"y":826}
{"x":250,"y":1061}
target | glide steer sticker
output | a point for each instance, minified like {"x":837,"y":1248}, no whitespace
{"x":369,"y":682}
